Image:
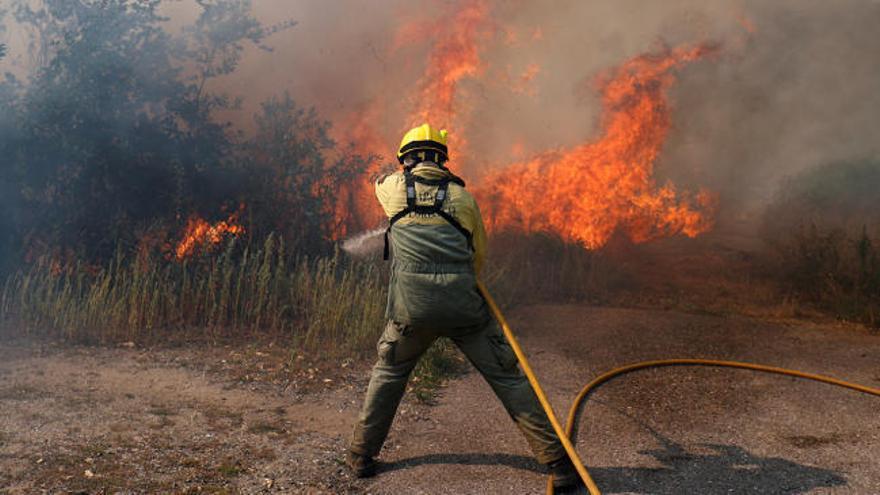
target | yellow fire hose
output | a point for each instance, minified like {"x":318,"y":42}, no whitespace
{"x":564,"y":435}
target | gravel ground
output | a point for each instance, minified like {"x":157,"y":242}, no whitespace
{"x":666,"y":431}
{"x":242,"y":419}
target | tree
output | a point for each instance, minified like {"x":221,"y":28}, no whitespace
{"x":113,"y":133}
{"x":114,"y":137}
{"x":298,"y":174}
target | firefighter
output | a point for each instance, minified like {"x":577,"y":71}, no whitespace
{"x":438,"y":242}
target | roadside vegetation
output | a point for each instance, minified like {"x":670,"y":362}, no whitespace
{"x":325,"y":303}
{"x":118,"y":137}
{"x":542,"y":267}
{"x":113,"y":145}
{"x":823,"y":233}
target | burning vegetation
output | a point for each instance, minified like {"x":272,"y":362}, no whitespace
{"x":453,"y":57}
{"x":586,"y":193}
{"x":202,"y":235}
{"x":583,"y":194}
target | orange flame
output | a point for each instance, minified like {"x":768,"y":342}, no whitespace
{"x":199,"y":234}
{"x":455,"y":56}
{"x":356,"y":208}
{"x":586,"y":193}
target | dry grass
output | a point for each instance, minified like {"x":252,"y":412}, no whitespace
{"x":328,"y":307}
{"x":530,"y":268}
{"x":441,"y":362}
{"x":831,"y":269}
{"x":329,"y":304}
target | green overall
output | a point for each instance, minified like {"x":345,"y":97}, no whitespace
{"x":433,"y":293}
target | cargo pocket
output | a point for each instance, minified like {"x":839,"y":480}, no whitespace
{"x":385,"y":349}
{"x":503,"y":352}
{"x":387,"y":345}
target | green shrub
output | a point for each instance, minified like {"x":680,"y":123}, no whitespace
{"x":822,"y":231}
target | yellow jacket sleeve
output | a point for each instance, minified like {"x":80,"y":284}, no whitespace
{"x":388,"y":195}
{"x":471,"y":219}
{"x":479,"y":239}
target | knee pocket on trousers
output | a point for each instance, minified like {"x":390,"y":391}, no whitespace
{"x":503,"y":352}
{"x":386,"y":348}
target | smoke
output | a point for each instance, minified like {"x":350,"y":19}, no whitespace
{"x":795,"y":85}
{"x":800,"y":92}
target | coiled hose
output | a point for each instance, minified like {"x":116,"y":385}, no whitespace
{"x":564,"y":435}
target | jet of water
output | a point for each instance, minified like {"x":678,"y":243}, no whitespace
{"x":365,"y":244}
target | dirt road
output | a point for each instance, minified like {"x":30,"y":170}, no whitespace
{"x":239,"y":419}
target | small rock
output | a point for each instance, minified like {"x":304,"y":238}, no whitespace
{"x":88,"y":473}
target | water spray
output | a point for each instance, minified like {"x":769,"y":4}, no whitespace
{"x":364,"y":244}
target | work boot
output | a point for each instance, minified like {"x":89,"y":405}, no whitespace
{"x":565,"y":476}
{"x":362,"y":466}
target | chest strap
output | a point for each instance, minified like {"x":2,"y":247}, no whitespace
{"x":433,"y":209}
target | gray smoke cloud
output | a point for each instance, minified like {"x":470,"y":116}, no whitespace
{"x":800,"y":92}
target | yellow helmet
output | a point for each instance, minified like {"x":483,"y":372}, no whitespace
{"x":426,"y":139}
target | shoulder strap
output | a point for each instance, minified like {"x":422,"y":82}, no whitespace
{"x":442,"y":193}
{"x":409,"y":179}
